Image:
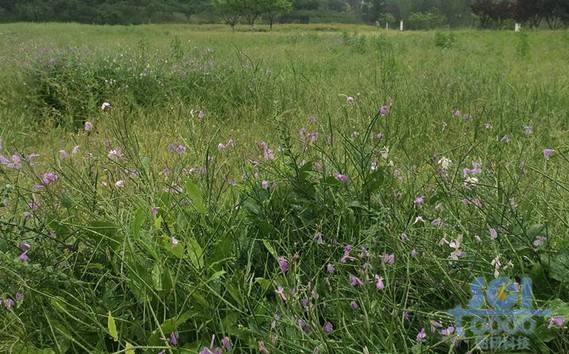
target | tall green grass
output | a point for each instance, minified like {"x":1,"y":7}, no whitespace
{"x":242,"y":181}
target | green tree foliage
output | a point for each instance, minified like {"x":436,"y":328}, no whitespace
{"x":229,"y":10}
{"x":272,"y":9}
{"x":420,"y":13}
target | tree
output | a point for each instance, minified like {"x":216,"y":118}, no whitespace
{"x":492,"y":10}
{"x":372,"y":10}
{"x":275,"y":8}
{"x":229,"y":10}
{"x":251,"y":10}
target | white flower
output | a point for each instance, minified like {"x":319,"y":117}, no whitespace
{"x":106,"y":106}
{"x":470,"y":182}
{"x":119,"y":184}
{"x":445,"y":163}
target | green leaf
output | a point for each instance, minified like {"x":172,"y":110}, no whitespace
{"x":270,"y":248}
{"x":112,"y":327}
{"x":138,"y":221}
{"x":129,"y":349}
{"x":195,"y":252}
{"x":157,"y":277}
{"x":195,"y":195}
{"x":217,"y":275}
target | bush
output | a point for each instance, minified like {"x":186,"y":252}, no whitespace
{"x":426,"y":20}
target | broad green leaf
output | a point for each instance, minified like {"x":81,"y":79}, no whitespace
{"x":217,"y":275}
{"x":270,"y":248}
{"x":157,"y":277}
{"x":138,"y":221}
{"x":195,"y":252}
{"x":112,"y":327}
{"x":195,"y":195}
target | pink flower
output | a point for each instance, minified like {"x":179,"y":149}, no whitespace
{"x":421,"y":336}
{"x":419,"y":201}
{"x":346,"y":256}
{"x":328,"y":327}
{"x":283,"y":264}
{"x":341,"y":178}
{"x":388,"y":259}
{"x":447,"y":331}
{"x":115,"y":154}
{"x":379,"y":282}
{"x":355,"y":281}
{"x":330,"y":268}
{"x":49,"y":178}
{"x":547,"y":153}
{"x":267,"y":153}
{"x":281,"y":293}
{"x":556,"y":321}
{"x":493,"y":234}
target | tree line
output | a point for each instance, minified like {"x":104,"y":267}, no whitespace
{"x":553,"y":13}
{"x":417,"y":14}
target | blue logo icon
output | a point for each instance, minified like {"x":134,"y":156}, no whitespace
{"x":500,"y":314}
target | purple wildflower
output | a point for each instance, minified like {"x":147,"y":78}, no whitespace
{"x":379,"y":282}
{"x":154,"y":211}
{"x":19,"y":296}
{"x":283,"y":264}
{"x":328,"y":327}
{"x":388,"y":259}
{"x":354,"y":305}
{"x":330,"y":268}
{"x":88,"y":126}
{"x":556,"y":321}
{"x":267,"y":153}
{"x":346,"y":256}
{"x":226,"y":343}
{"x":419,"y":201}
{"x":447,"y":331}
{"x":281,"y":293}
{"x":173,"y":338}
{"x":341,"y":178}
{"x":9,"y":303}
{"x":384,"y":110}
{"x":547,"y":153}
{"x":355,"y":281}
{"x":115,"y":154}
{"x":303,"y":325}
{"x":528,"y":130}
{"x":49,"y":178}
{"x":265,"y":184}
{"x":493,"y":234}
{"x":24,"y":257}
{"x":421,"y":336}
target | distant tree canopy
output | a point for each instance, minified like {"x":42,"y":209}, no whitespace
{"x":419,"y":14}
{"x":533,"y":13}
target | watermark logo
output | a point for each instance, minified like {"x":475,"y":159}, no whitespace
{"x":500,"y":314}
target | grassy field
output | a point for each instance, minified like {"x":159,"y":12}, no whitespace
{"x":315,"y":189}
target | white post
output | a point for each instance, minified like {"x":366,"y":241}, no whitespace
{"x":401,"y":25}
{"x":517,"y":28}
{"x":387,"y":25}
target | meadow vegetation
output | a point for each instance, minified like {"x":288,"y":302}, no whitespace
{"x":316,"y":189}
